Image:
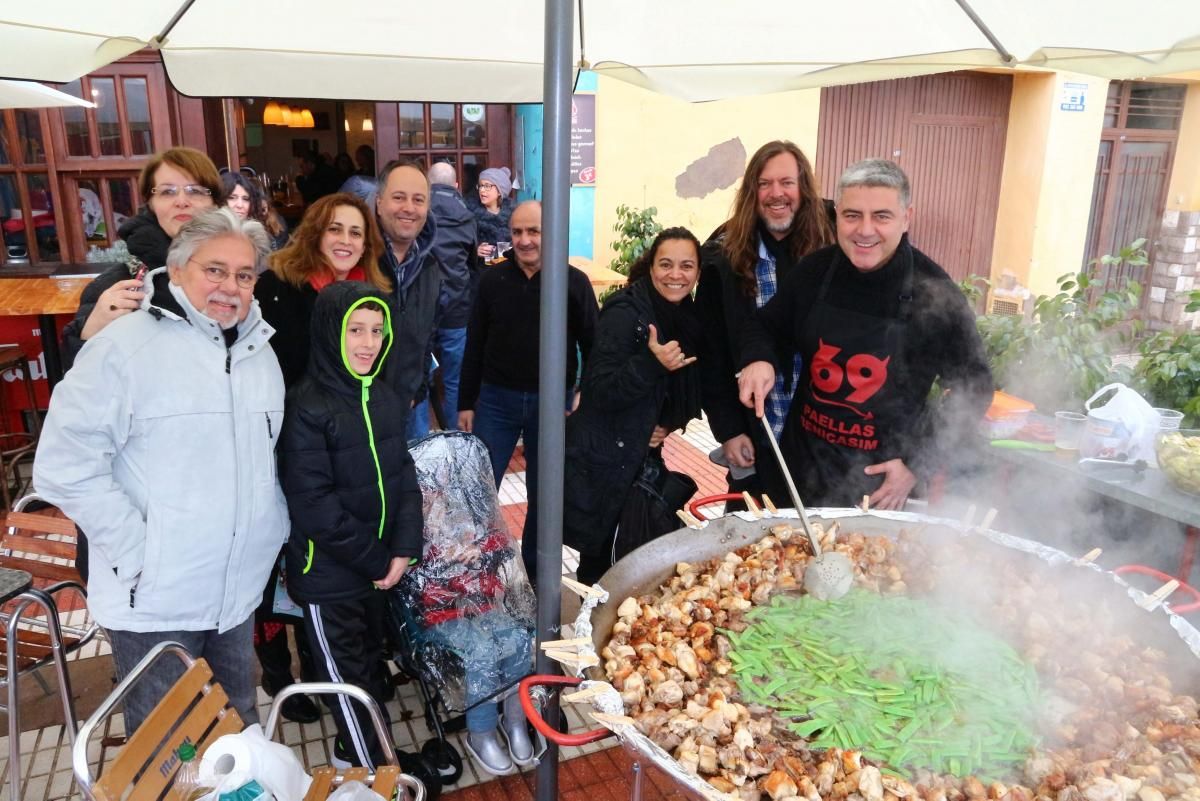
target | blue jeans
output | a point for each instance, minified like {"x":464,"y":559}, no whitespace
{"x":448,"y":347}
{"x":502,"y":416}
{"x":230,"y":655}
{"x":449,"y":344}
{"x":495,"y":653}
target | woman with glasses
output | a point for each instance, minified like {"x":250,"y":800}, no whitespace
{"x":493,"y":210}
{"x":245,"y":198}
{"x":175,"y":185}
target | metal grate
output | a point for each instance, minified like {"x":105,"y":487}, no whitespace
{"x":1010,"y":307}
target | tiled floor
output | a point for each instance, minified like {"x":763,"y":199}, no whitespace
{"x":596,"y":772}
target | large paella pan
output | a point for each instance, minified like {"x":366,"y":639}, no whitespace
{"x":1083,"y":695}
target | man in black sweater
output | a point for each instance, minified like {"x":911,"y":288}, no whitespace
{"x":876,"y":322}
{"x":498,"y":394}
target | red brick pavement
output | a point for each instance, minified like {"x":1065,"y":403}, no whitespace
{"x":600,"y":776}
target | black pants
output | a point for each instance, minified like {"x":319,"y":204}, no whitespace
{"x":274,"y":655}
{"x":592,"y":567}
{"x":344,"y":636}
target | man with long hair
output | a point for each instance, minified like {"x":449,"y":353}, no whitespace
{"x":778,"y":218}
{"x":877,"y":323}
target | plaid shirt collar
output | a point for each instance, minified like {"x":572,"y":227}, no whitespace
{"x":779,"y":400}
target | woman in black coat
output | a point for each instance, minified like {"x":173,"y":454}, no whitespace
{"x":640,"y":383}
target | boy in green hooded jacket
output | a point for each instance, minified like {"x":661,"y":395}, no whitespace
{"x":353,"y":498}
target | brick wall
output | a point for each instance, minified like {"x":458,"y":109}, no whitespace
{"x":1175,"y":268}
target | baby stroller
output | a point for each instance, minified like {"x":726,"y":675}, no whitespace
{"x":468,"y":596}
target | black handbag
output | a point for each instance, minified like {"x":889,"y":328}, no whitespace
{"x":650,"y":506}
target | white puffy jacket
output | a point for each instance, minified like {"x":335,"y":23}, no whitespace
{"x":160,"y":444}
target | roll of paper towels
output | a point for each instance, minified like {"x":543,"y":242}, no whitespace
{"x":235,"y":759}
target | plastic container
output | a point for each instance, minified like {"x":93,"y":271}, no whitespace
{"x":1007,"y":415}
{"x":1179,"y":458}
{"x":1068,"y":430}
{"x":1169,"y":419}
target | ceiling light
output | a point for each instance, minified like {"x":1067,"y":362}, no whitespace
{"x":367,"y":124}
{"x":273,"y":114}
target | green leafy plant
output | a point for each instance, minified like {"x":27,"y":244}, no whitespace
{"x":1169,"y":369}
{"x":1064,"y":352}
{"x":975,"y":287}
{"x":1169,"y":372}
{"x":635,"y":229}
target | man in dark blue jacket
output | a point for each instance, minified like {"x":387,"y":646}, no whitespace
{"x":454,"y":244}
{"x":402,"y":208}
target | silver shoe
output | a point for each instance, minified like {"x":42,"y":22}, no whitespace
{"x":516,"y":731}
{"x":488,"y":752}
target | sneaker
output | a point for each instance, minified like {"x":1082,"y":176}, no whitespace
{"x":415,"y":765}
{"x":300,"y":709}
{"x":340,"y":758}
{"x":488,"y":752}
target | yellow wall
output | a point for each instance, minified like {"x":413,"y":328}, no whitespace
{"x":645,"y":140}
{"x":1021,"y":179}
{"x":1184,"y":191}
{"x":1046,"y":185}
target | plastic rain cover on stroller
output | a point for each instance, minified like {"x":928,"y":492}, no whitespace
{"x":468,"y":604}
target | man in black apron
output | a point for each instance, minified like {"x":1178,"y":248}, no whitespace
{"x":876,"y":322}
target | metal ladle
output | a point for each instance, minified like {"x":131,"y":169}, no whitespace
{"x":829,"y":575}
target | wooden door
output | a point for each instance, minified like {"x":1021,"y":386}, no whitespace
{"x":947,"y":132}
{"x":1133,"y":169}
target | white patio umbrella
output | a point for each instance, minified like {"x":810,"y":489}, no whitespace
{"x":30,"y":94}
{"x":477,"y":51}
{"x":528,"y":50}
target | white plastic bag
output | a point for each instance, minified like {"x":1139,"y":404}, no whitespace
{"x":233,"y":760}
{"x":1123,"y":428}
{"x":355,"y":791}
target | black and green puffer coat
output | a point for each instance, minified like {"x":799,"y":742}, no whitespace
{"x":344,"y":463}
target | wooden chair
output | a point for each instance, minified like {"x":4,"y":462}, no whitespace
{"x":44,"y":546}
{"x":385,"y":780}
{"x":196,"y":710}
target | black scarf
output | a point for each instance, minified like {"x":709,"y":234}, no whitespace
{"x":678,"y":322}
{"x":780,"y":250}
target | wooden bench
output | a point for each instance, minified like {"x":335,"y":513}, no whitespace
{"x":197,"y":710}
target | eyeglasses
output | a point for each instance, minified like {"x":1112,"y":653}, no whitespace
{"x":194,"y":191}
{"x":218,"y":275}
{"x":487,"y":186}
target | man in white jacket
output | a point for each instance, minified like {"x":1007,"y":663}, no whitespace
{"x":160,"y":444}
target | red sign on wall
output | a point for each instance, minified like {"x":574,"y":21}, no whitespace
{"x":24,"y":333}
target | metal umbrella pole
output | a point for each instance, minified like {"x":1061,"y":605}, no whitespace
{"x":552,"y":370}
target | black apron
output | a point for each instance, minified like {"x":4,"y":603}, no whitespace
{"x":852,"y":406}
